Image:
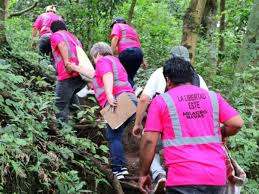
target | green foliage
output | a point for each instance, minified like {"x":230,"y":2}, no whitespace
{"x":32,"y":159}
{"x":37,"y":161}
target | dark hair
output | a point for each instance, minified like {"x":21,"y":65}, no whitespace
{"x":118,"y":20}
{"x":58,"y":25}
{"x":178,"y":70}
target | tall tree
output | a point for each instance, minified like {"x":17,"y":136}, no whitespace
{"x":131,"y":11}
{"x":191,"y":26}
{"x":3,"y":41}
{"x":249,"y":54}
{"x":222,"y":29}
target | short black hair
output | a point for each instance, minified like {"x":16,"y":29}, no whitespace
{"x":58,"y":25}
{"x":178,"y":70}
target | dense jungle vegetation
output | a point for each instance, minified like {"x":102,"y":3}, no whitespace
{"x":38,"y":155}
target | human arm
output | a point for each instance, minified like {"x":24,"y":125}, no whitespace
{"x":147,"y":152}
{"x":140,"y":112}
{"x":114,"y":43}
{"x":229,"y":117}
{"x":232,"y":126}
{"x":34,"y":34}
{"x":80,"y":69}
{"x":108,"y":87}
{"x":64,"y":54}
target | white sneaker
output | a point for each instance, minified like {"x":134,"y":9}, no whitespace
{"x":118,"y":175}
{"x":160,"y":184}
{"x":124,"y":171}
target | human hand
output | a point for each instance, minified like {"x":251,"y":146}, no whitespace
{"x":33,"y":44}
{"x":69,"y":67}
{"x":136,"y":131}
{"x":112,"y":101}
{"x":144,"y":183}
{"x":144,"y":64}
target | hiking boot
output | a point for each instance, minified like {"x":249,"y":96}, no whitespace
{"x":118,"y":175}
{"x":160,"y":184}
{"x":124,"y":171}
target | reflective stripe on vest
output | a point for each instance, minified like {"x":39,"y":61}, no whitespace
{"x":124,"y":36}
{"x":116,"y":82}
{"x":70,"y":53}
{"x":179,"y":139}
{"x":44,"y":23}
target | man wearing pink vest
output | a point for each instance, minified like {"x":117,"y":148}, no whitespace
{"x":63,"y":45}
{"x":42,"y":25}
{"x":125,"y":40}
{"x":188,"y":117}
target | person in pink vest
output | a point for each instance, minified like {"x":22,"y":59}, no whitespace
{"x":110,"y":80}
{"x":42,"y":25}
{"x":188,"y":118}
{"x":125,"y":40}
{"x":63,"y":44}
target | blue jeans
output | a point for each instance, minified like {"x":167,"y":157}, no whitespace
{"x":66,"y":95}
{"x":196,"y":189}
{"x":114,"y":137}
{"x":131,"y":59}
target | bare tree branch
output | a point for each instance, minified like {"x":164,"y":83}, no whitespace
{"x":23,"y":11}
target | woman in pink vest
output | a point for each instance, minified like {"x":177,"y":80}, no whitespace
{"x":188,"y":118}
{"x":125,"y":39}
{"x":111,"y":80}
{"x":42,"y":25}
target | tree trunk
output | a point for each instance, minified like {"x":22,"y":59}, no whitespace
{"x":209,"y":24}
{"x":3,"y":41}
{"x":131,"y":11}
{"x":221,"y":30}
{"x":249,"y":54}
{"x":191,"y":26}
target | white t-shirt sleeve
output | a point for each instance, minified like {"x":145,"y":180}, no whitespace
{"x":155,"y":84}
{"x":203,"y":85}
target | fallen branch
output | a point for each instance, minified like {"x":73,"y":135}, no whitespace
{"x":23,"y":11}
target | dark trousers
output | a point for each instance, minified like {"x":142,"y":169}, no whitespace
{"x":114,"y":137}
{"x":44,"y":45}
{"x":66,"y":96}
{"x":196,"y":189}
{"x":131,"y":59}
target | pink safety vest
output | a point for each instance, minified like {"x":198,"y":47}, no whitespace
{"x":45,"y":23}
{"x":131,"y":42}
{"x":179,"y":139}
{"x":70,"y":53}
{"x":116,"y":82}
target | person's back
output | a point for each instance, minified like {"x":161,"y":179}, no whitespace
{"x":125,"y":40}
{"x":128,"y":37}
{"x":111,"y":64}
{"x":44,"y":22}
{"x":71,"y":41}
{"x":63,"y":45}
{"x":183,"y":154}
{"x":188,"y":118}
{"x":42,"y":25}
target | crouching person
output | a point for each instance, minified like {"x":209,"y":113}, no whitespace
{"x":188,"y":117}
